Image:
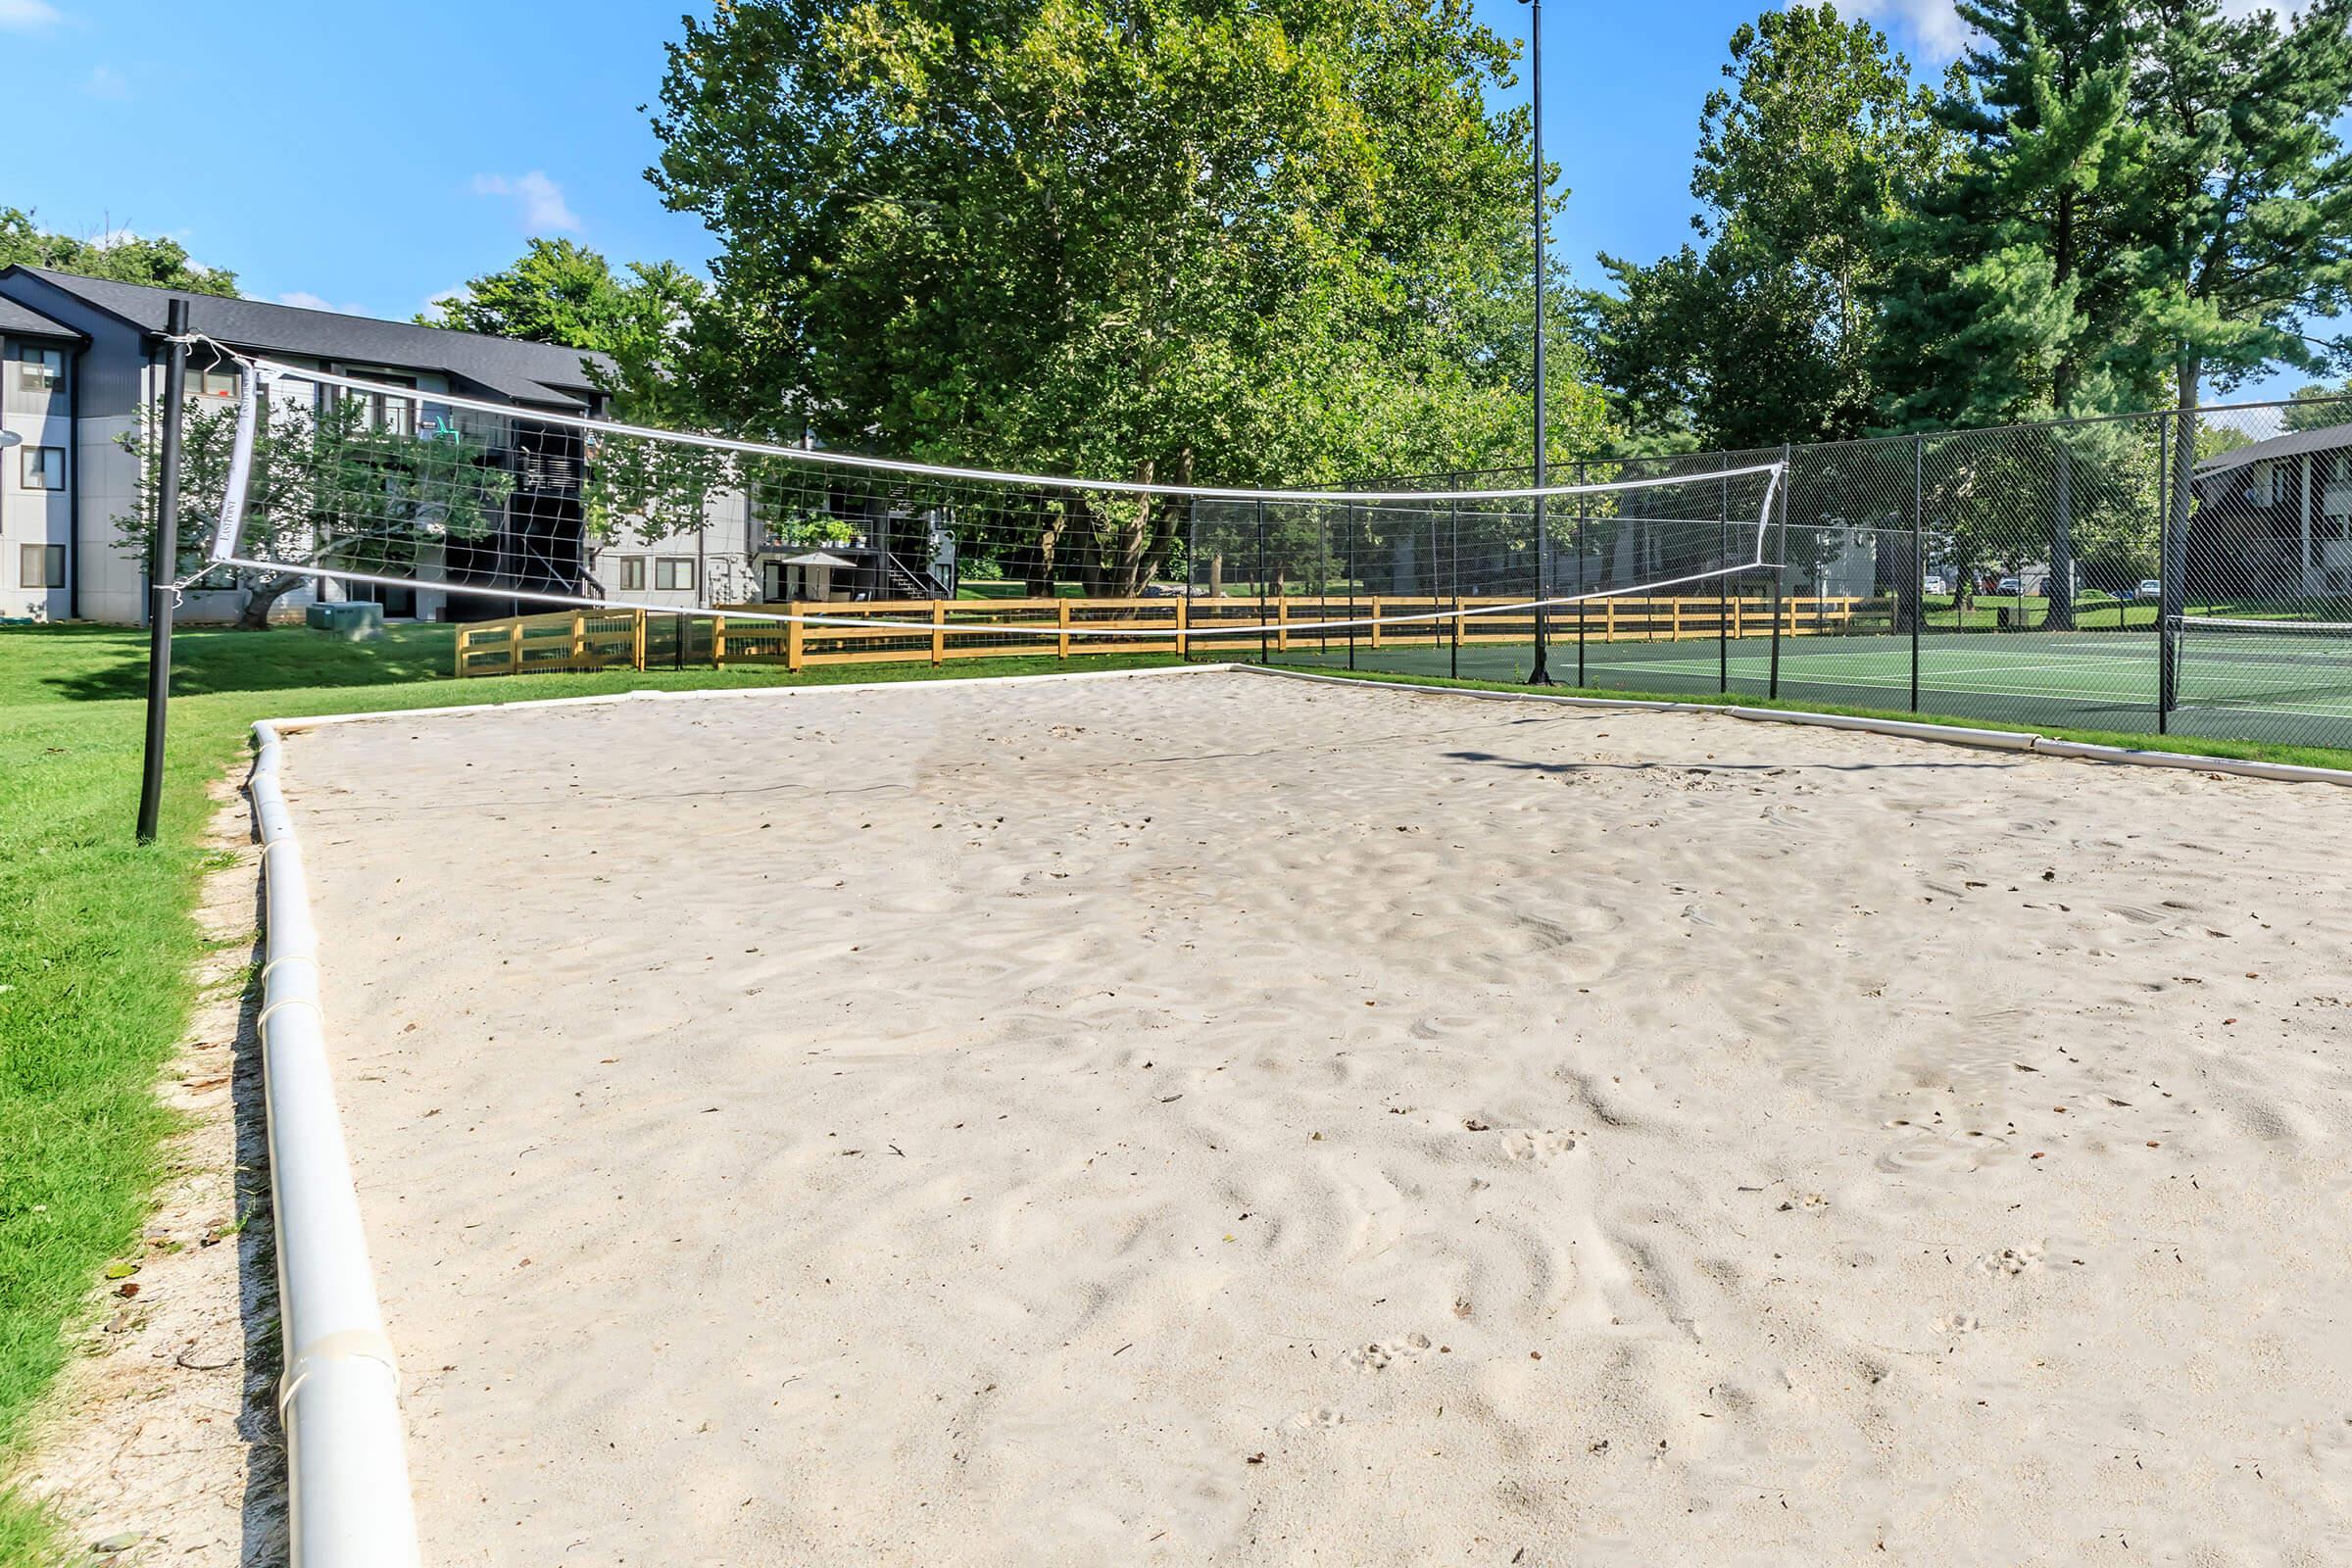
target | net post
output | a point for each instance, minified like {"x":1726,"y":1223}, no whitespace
{"x":1723,"y":587}
{"x":1584,"y":515}
{"x":1779,"y":572}
{"x":1351,"y":568}
{"x":1919,"y":554}
{"x":1453,"y":579}
{"x":162,"y":567}
{"x":2172,"y":560}
{"x":1261,"y":510}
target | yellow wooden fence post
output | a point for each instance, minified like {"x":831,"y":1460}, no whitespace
{"x":1061,"y":611}
{"x":515,"y":646}
{"x":1376,"y":621}
{"x":1282,"y":616}
{"x":718,"y":642}
{"x":579,"y":639}
{"x":637,"y":639}
{"x":460,"y":648}
{"x":795,"y":652}
{"x":1676,"y":635}
{"x":939,"y":639}
{"x":1184,"y":620}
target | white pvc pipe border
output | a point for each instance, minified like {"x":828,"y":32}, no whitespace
{"x":347,"y":1469}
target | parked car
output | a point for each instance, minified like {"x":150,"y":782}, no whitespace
{"x":1935,"y":584}
{"x":2149,"y":588}
{"x":2009,"y":585}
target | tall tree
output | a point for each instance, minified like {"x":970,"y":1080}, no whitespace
{"x":131,"y":258}
{"x":1143,"y":238}
{"x":636,"y":321}
{"x":2011,"y":290}
{"x":560,"y":292}
{"x":1766,"y":334}
{"x":2249,"y":192}
{"x":2013,"y":287}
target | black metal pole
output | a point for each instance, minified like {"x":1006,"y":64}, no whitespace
{"x":1263,"y":657}
{"x":1351,"y":562}
{"x":1583,"y":476}
{"x":1540,"y":675}
{"x":1780,"y":570}
{"x":2170,"y":587}
{"x":163,"y":567}
{"x":1454,"y":577}
{"x":1919,"y":554}
{"x":1723,"y":588}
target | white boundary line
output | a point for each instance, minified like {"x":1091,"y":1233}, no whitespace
{"x":339,"y":1396}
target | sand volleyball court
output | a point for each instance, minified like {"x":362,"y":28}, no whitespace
{"x":1215,"y":1118}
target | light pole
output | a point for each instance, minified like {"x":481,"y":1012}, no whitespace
{"x":1540,"y":675}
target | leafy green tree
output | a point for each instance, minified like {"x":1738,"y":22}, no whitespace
{"x":1157,"y":239}
{"x":311,"y":468}
{"x":2248,"y":189}
{"x":2317,"y":406}
{"x":1767,"y":333}
{"x":635,"y":324}
{"x":163,"y":262}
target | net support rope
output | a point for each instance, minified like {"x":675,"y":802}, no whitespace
{"x":261,"y":373}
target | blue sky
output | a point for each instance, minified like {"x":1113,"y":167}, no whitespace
{"x":366,"y":157}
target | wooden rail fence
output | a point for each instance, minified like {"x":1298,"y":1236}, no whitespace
{"x":995,"y":628}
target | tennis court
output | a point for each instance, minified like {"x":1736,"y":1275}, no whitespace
{"x":2262,"y":686}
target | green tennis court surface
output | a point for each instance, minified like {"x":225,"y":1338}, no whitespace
{"x":2241,"y":690}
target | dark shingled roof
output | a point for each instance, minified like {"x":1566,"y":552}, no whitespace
{"x":24,"y":318}
{"x":546,"y":374}
{"x":2324,"y":439}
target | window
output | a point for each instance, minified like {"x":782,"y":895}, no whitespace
{"x":673,"y":572}
{"x":44,"y":468}
{"x":220,"y":381}
{"x":43,"y":566}
{"x":632,"y":573}
{"x":36,"y":380}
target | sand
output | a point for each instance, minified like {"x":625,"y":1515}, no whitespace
{"x":1222,"y":1119}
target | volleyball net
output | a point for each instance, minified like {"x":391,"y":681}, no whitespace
{"x":439,"y":504}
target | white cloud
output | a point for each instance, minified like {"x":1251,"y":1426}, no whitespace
{"x":456,"y":292}
{"x":304,"y":299}
{"x":27,"y":13}
{"x":1929,"y":27}
{"x":542,"y":199}
{"x":105,"y":81}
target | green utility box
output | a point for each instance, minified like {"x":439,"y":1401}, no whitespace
{"x":352,"y":621}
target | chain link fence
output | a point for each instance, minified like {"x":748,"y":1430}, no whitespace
{"x":2184,"y":573}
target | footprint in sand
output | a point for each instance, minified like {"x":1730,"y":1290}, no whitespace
{"x":1317,"y":1420}
{"x":1952,"y":1323}
{"x":2011,"y":1261}
{"x":1535,"y":1147}
{"x":1385,"y":1354}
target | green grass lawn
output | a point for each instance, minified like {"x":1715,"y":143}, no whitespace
{"x":95,"y":989}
